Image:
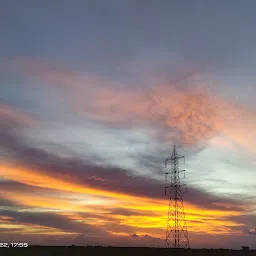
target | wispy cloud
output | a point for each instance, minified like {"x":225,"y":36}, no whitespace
{"x":37,"y":167}
{"x":41,"y":187}
{"x":189,"y":115}
{"x":10,"y":114}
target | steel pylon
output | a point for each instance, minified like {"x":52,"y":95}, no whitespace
{"x":176,"y":232}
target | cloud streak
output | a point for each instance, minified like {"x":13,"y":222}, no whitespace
{"x":189,"y":115}
{"x":42,"y":187}
{"x":17,"y":117}
{"x":36,"y":167}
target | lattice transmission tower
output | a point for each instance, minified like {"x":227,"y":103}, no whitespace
{"x":176,"y":232}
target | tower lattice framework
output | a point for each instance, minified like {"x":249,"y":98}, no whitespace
{"x":176,"y":232}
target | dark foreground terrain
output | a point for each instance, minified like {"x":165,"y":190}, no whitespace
{"x":118,"y":251}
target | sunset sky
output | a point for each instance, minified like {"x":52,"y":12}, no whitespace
{"x":93,"y":96}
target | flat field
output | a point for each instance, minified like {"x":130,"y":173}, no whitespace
{"x":118,"y":251}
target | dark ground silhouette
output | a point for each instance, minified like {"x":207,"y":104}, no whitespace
{"x":118,"y":251}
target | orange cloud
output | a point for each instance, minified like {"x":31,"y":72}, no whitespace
{"x":7,"y":112}
{"x":189,"y":115}
{"x":150,"y":217}
{"x":58,"y":75}
{"x":36,"y":178}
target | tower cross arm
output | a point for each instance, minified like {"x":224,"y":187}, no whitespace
{"x":173,"y":158}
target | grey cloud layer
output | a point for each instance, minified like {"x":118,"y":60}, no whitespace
{"x":108,"y":178}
